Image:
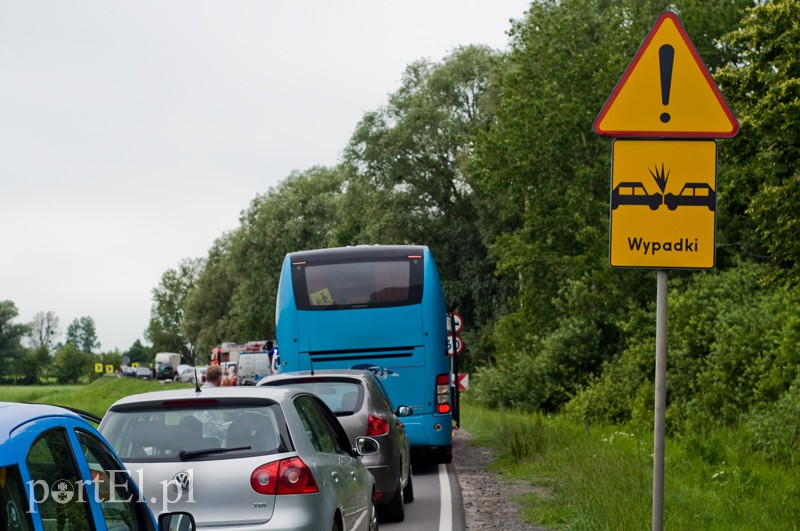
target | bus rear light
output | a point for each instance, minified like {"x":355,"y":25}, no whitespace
{"x":443,"y":394}
{"x":287,"y":476}
{"x":376,"y":426}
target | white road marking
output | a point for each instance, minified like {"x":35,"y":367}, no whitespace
{"x":445,"y":501}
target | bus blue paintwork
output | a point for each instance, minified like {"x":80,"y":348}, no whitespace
{"x":405,"y":342}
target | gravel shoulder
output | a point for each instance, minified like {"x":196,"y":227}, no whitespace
{"x":488,"y":496}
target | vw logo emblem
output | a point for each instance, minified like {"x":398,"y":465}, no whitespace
{"x":181,"y":482}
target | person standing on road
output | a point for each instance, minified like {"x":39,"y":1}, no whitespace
{"x":213,"y":376}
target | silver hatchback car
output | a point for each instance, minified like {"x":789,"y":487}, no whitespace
{"x":245,"y":458}
{"x":363,"y":407}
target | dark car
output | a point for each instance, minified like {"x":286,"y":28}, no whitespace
{"x":362,"y":406}
{"x":58,"y":472}
{"x":145,"y":373}
{"x":693,"y":194}
{"x":166,"y":372}
{"x":634,"y":193}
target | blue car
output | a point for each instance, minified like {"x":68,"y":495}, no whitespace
{"x":57,"y":472}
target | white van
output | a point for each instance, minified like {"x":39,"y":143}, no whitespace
{"x":252,"y":367}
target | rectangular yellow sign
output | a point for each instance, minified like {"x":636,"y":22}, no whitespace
{"x":663,"y":204}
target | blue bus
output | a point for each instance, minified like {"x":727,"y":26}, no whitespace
{"x":376,"y":307}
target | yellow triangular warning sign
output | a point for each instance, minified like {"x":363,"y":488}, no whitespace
{"x":666,"y":91}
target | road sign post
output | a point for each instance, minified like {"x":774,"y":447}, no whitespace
{"x":664,"y":180}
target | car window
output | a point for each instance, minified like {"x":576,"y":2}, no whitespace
{"x":379,"y":397}
{"x":114,"y":489}
{"x":321,"y":434}
{"x":57,"y":488}
{"x":162,"y":434}
{"x":14,"y":515}
{"x":343,"y":397}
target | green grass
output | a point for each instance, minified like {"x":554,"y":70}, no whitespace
{"x":95,"y":397}
{"x":600,"y":478}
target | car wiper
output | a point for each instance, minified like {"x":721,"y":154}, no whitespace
{"x":191,"y":454}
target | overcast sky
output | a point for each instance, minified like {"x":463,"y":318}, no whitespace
{"x":133,"y":133}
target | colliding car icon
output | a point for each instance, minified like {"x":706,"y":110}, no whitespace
{"x":634,"y":193}
{"x":692,"y":194}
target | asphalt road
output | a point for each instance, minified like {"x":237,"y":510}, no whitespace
{"x":437,"y":505}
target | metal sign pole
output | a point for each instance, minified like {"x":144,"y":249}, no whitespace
{"x":661,"y":401}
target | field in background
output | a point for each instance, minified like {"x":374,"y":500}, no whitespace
{"x":95,"y":398}
{"x":600,"y":477}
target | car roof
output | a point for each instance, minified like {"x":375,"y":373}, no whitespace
{"x":12,"y":414}
{"x":327,"y":373}
{"x":15,"y":414}
{"x":234,"y":392}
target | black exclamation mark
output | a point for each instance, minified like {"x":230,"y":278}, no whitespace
{"x":666,"y":54}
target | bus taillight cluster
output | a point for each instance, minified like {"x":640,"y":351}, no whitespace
{"x":443,"y":393}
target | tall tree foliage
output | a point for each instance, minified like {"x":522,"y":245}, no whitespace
{"x":11,"y":335}
{"x":234,"y":297}
{"x":208,"y":303}
{"x":408,"y":182}
{"x":169,"y":305}
{"x":543,"y":177}
{"x":43,"y":330}
{"x":761,"y":186}
{"x":82,"y":333}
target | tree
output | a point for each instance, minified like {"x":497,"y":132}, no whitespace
{"x":82,"y":333}
{"x":43,"y":330}
{"x":169,"y":305}
{"x":407,"y":181}
{"x":761,"y":185}
{"x":303,"y":212}
{"x":71,"y":364}
{"x":207,"y":313}
{"x":34,"y":364}
{"x":137,"y":353}
{"x":543,"y":180}
{"x":11,"y":335}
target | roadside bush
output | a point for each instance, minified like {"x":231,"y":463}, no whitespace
{"x":776,"y":429}
{"x":71,"y":365}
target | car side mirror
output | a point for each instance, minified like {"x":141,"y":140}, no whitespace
{"x":404,"y":411}
{"x":176,"y":522}
{"x":367,"y":446}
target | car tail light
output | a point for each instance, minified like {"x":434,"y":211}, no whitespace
{"x":443,"y":393}
{"x":377,"y":426}
{"x":263,"y":478}
{"x":287,"y":476}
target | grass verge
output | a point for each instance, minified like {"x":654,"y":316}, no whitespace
{"x":600,"y":477}
{"x":95,"y":397}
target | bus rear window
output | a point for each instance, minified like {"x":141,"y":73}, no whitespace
{"x":365,"y":284}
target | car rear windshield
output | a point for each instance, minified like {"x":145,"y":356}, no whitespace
{"x":343,"y":397}
{"x":209,"y":432}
